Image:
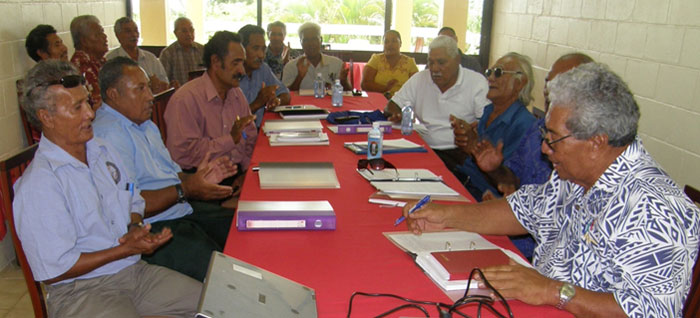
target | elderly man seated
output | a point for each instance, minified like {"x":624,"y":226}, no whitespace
{"x":210,"y":114}
{"x":43,"y":43}
{"x":80,"y":218}
{"x":124,"y":120}
{"x":277,"y":53}
{"x":261,"y":88}
{"x":442,"y":90}
{"x":616,"y":236}
{"x":127,"y":33}
{"x":184,"y":55}
{"x":301,"y":72}
{"x":504,"y":122}
{"x":90,"y":42}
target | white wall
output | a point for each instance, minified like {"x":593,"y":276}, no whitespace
{"x":18,"y":18}
{"x":654,"y":45}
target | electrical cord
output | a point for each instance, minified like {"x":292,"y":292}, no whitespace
{"x":444,"y":310}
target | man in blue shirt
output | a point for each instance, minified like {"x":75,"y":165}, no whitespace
{"x":260,"y":86}
{"x":79,"y":216}
{"x":125,"y":123}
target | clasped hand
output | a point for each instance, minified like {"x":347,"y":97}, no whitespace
{"x":140,"y":240}
{"x":204,"y":184}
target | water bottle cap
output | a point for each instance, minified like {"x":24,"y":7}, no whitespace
{"x":337,"y":81}
{"x":375,"y":125}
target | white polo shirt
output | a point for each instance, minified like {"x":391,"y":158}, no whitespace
{"x":327,"y":65}
{"x":466,"y":99}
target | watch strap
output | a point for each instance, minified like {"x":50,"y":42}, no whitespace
{"x":180,"y":193}
{"x":566,"y":293}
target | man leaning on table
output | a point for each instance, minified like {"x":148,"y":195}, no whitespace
{"x":444,"y":88}
{"x":259,"y":85}
{"x":301,"y":72}
{"x":79,"y":219}
{"x":210,"y":114}
{"x":616,"y":236}
{"x":124,"y":120}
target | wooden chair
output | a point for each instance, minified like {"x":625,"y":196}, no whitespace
{"x":33,"y":135}
{"x":11,"y":169}
{"x":160,"y":102}
{"x":194,"y":74}
{"x":692,"y":303}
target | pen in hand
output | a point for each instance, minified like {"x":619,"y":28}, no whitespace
{"x":243,"y":134}
{"x":419,"y":205}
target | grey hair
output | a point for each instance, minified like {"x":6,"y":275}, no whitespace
{"x":80,"y":26}
{"x":178,"y":20}
{"x":35,"y":90}
{"x":525,"y":65}
{"x":600,"y":101}
{"x":281,"y":25}
{"x":308,"y":26}
{"x":446,"y":42}
{"x":120,"y":23}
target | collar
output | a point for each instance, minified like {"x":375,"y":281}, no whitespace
{"x":89,"y":58}
{"x":458,"y":82}
{"x":126,"y":122}
{"x":506,"y":116}
{"x":57,"y":157}
{"x":613,"y":176}
{"x":210,"y":90}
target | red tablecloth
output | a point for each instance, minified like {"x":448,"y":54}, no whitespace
{"x":356,"y":256}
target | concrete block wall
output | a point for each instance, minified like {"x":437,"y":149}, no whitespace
{"x":18,"y":18}
{"x":654,"y":45}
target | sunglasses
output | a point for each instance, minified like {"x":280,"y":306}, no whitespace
{"x":374,"y":164}
{"x":544,"y":132}
{"x":68,"y":81}
{"x":498,"y":72}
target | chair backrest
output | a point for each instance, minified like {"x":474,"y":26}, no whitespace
{"x":194,"y":74}
{"x":11,"y":169}
{"x":160,"y":101}
{"x":692,"y":303}
{"x":33,"y":135}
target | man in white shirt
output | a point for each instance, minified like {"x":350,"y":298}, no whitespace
{"x":127,"y":33}
{"x":441,"y":90}
{"x":300,"y":72}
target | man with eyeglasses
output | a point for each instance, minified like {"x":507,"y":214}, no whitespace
{"x":300,"y":72}
{"x":526,"y":164}
{"x":442,"y":90}
{"x":80,"y":218}
{"x":616,"y":236}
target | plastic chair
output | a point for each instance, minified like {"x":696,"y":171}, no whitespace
{"x":11,"y":169}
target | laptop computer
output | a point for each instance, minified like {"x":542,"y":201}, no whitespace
{"x":234,"y":288}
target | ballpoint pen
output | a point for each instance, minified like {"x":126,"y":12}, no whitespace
{"x":420,"y":204}
{"x":243,"y":134}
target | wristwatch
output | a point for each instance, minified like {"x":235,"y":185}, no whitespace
{"x":180,"y":193}
{"x":566,"y":292}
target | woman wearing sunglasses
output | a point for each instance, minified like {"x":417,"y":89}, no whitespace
{"x":503,"y":123}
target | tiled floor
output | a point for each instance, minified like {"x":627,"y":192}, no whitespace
{"x":14,"y":299}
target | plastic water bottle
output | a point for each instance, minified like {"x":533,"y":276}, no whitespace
{"x":407,"y":120}
{"x":319,"y":86}
{"x":375,"y":137}
{"x":337,"y":98}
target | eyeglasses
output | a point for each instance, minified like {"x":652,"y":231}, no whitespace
{"x":544,"y":132}
{"x":374,"y":164}
{"x":68,"y":81}
{"x":498,"y":72}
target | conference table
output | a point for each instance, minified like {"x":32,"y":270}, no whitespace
{"x":356,"y":256}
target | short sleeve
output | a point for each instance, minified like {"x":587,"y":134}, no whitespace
{"x":374,"y":61}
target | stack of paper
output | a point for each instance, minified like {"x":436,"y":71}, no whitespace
{"x":402,"y":175}
{"x":388,"y":146}
{"x":417,"y":188}
{"x":312,"y":138}
{"x":298,"y":175}
{"x":277,"y":126}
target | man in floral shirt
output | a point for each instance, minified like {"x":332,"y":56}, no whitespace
{"x":90,"y":42}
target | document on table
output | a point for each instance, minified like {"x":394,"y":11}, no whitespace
{"x":281,"y":125}
{"x":414,"y":188}
{"x":399,"y":175}
{"x":298,"y":175}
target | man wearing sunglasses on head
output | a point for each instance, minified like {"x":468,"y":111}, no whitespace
{"x":616,"y":236}
{"x":80,"y":218}
{"x":443,"y":89}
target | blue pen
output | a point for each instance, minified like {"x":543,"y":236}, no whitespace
{"x":420,"y":204}
{"x":243,"y":134}
{"x":130,"y":188}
